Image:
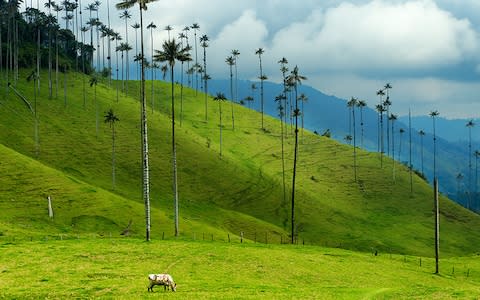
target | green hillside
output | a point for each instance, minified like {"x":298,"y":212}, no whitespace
{"x":238,"y":192}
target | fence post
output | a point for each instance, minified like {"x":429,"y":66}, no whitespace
{"x":241,"y":237}
{"x":50,"y":209}
{"x":229,"y":237}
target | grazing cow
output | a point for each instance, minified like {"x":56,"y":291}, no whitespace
{"x":161,"y":279}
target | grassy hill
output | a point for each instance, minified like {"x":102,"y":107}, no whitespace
{"x":238,"y":192}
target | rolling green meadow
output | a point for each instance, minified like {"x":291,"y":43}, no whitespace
{"x":81,"y":252}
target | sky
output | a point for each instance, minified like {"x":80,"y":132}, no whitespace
{"x":428,"y":50}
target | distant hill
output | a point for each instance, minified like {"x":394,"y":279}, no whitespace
{"x":324,"y":112}
{"x":453,"y":130}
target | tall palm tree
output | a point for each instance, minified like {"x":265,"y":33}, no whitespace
{"x":142,"y":4}
{"x":111,"y":119}
{"x":361,"y":105}
{"x":477,"y":156}
{"x":93,"y":82}
{"x":295,"y":78}
{"x":123,"y":48}
{"x":380,"y":110}
{"x":422,"y":134}
{"x":220,"y":97}
{"x":434,"y":114}
{"x":116,"y":36}
{"x":459,"y":178}
{"x":352,"y":103}
{"x":284,"y":69}
{"x":183,"y":37}
{"x":172,"y":51}
{"x":196,"y":27}
{"x":126,"y":15}
{"x":91,"y":22}
{"x":401,"y":131}
{"x":152,"y":26}
{"x":204,"y":44}
{"x":136,"y":26}
{"x":186,"y":29}
{"x":168,"y":28}
{"x":469,"y":125}
{"x":110,"y":39}
{"x":253,"y":87}
{"x":236,"y":54}
{"x":387,"y":103}
{"x":303,"y":99}
{"x":262,"y":77}
{"x":34,"y":76}
{"x":281,"y":111}
{"x":392,"y":118}
{"x":50,"y":21}
{"x":230,"y":60}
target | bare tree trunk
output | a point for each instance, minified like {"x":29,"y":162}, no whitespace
{"x":174,"y":155}
{"x":437,"y":224}
{"x":50,"y":209}
{"x":144,"y":131}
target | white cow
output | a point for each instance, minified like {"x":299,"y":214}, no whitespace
{"x":161,"y":279}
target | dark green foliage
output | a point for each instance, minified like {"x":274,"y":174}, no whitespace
{"x":28,"y":23}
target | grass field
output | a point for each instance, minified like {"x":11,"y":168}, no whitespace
{"x":118,"y":268}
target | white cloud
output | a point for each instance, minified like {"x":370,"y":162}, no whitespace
{"x":379,"y":35}
{"x":246,"y":34}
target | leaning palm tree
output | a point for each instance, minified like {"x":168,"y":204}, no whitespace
{"x":434,"y":114}
{"x":220,"y":97}
{"x":295,"y":79}
{"x":172,"y":51}
{"x":142,"y":4}
{"x":230,"y":60}
{"x":262,"y":77}
{"x":111,"y":119}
